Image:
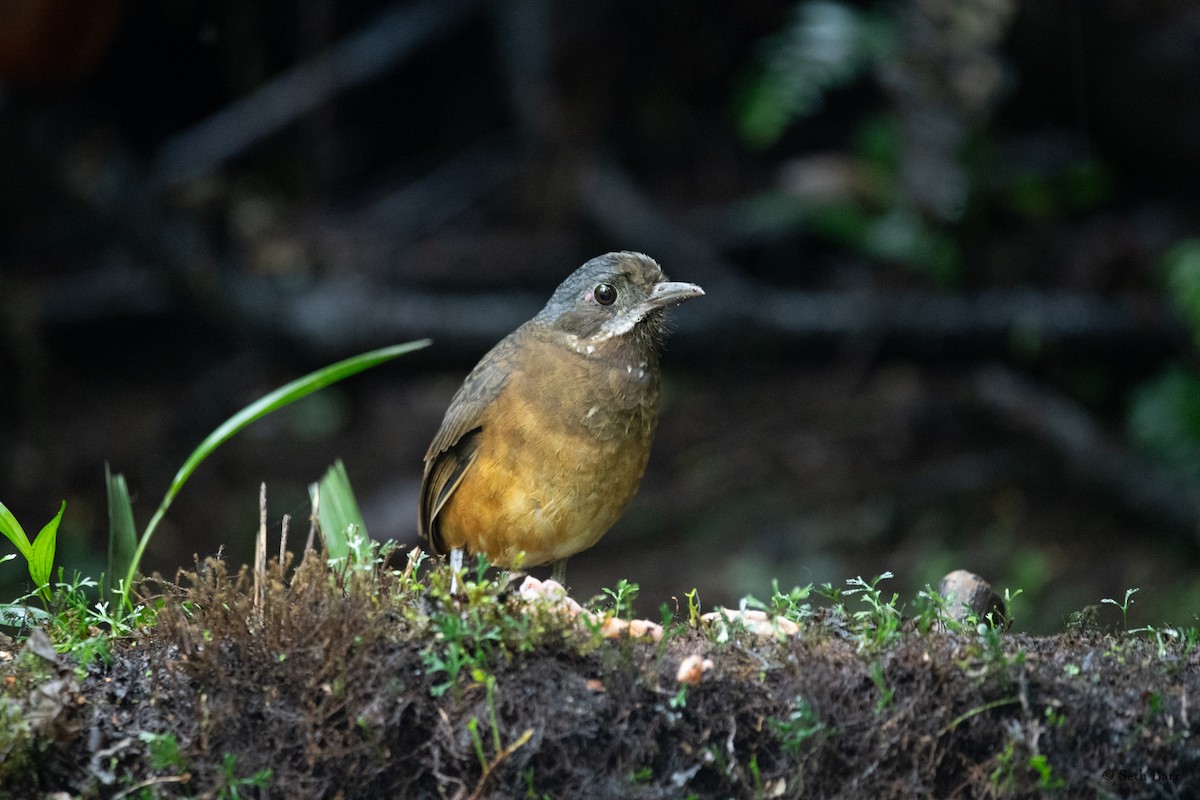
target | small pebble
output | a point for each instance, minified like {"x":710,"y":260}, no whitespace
{"x":754,"y":621}
{"x":966,"y":593}
{"x":554,"y":593}
{"x":692,"y":669}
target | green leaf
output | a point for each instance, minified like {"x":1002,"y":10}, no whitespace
{"x":1164,"y":418}
{"x":122,"y":535}
{"x":1182,"y":265}
{"x":41,"y":559}
{"x":338,"y":511}
{"x":826,"y":45}
{"x":284,"y":395}
{"x":15,"y":533}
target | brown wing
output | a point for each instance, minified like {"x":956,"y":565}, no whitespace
{"x":454,"y":446}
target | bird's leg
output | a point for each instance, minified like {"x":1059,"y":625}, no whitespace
{"x":559,"y":572}
{"x":456,"y":559}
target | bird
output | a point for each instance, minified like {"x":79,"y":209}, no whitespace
{"x":543,"y":446}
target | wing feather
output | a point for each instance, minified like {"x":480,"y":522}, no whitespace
{"x":454,"y":447}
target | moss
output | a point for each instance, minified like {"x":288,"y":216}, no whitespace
{"x":335,"y":684}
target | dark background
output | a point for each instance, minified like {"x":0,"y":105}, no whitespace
{"x":947,"y":311}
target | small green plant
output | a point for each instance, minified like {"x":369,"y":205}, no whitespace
{"x":502,"y":752}
{"x":283,"y":396}
{"x":164,"y":751}
{"x":1003,"y":775}
{"x":1008,"y":770}
{"x":831,"y":593}
{"x":793,"y":604}
{"x":76,"y":623}
{"x":801,"y":724}
{"x":482,"y":565}
{"x":1123,"y":605}
{"x":878,"y":624}
{"x":671,"y":628}
{"x":233,"y":786}
{"x":487,"y":767}
{"x":38,"y":554}
{"x":642,"y":775}
{"x":693,"y":601}
{"x":930,"y":610}
{"x":1047,"y":780}
{"x":623,"y":597}
{"x":987,"y":655}
{"x":1010,"y":598}
{"x":886,"y":692}
{"x":680,"y":698}
{"x":470,"y":628}
{"x":1054,"y":717}
{"x":477,"y":740}
{"x":465,"y":641}
{"x":489,"y":684}
{"x":1161,"y":636}
{"x":531,"y":792}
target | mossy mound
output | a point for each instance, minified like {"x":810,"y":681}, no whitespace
{"x":369,"y":684}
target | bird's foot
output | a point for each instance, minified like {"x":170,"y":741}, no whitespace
{"x":456,"y":560}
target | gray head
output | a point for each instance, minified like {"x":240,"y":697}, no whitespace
{"x":612,"y":295}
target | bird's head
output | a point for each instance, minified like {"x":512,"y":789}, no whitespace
{"x":614,"y":295}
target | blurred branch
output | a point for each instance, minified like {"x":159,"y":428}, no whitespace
{"x":454,"y":186}
{"x":1099,"y":463}
{"x":334,"y":315}
{"x":622,"y":211}
{"x":375,"y":48}
{"x":525,"y":40}
{"x":347,"y":313}
{"x":984,"y":321}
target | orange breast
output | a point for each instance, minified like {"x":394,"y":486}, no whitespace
{"x":544,"y":484}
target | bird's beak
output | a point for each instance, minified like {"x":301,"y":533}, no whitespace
{"x":669,"y":293}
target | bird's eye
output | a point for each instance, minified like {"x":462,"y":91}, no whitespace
{"x":605,"y":294}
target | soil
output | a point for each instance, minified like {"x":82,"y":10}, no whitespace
{"x":331,"y":685}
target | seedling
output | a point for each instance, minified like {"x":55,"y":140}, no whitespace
{"x":801,"y":724}
{"x":234,"y":785}
{"x":38,"y":554}
{"x":879,"y":623}
{"x":623,"y":597}
{"x":886,"y":693}
{"x":1123,"y":605}
{"x":164,"y":751}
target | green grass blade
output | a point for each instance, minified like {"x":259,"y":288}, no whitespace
{"x":289,"y":393}
{"x":122,"y":535}
{"x":14,"y":532}
{"x":338,"y":511}
{"x":41,"y":559}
